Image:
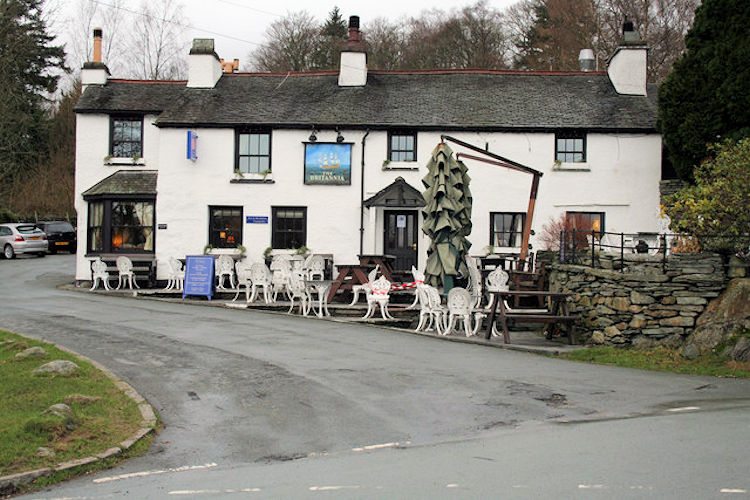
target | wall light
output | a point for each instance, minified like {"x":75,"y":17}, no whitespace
{"x":313,"y":137}
{"x":339,"y":137}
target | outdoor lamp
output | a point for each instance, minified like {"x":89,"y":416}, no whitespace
{"x":339,"y":137}
{"x":313,"y":137}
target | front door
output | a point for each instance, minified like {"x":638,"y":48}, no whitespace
{"x":401,"y":238}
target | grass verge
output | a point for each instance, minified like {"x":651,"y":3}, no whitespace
{"x":101,"y":421}
{"x":661,"y":359}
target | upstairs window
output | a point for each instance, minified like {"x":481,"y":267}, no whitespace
{"x":253,"y":152}
{"x":402,"y":146}
{"x":126,"y":137}
{"x":506,"y":229}
{"x":570,"y":147}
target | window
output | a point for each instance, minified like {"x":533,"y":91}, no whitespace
{"x":289,"y":227}
{"x":126,"y":134}
{"x":125,"y":226}
{"x":402,"y":146}
{"x":225,"y":227}
{"x":586,"y":221}
{"x":506,"y":229}
{"x":253,"y":152}
{"x":570,"y":147}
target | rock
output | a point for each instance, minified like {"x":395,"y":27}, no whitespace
{"x":597,"y":337}
{"x":58,"y":367}
{"x":642,"y":342}
{"x":80,"y":399}
{"x":621,"y":304}
{"x":638,"y":321}
{"x":38,"y":352}
{"x":741,"y":350}
{"x":737,"y":268}
{"x":612,"y":331}
{"x":677,"y":321}
{"x":44,"y":452}
{"x":60,"y":410}
{"x":640,"y":299}
{"x":668,"y":301}
{"x":690,"y":351}
{"x":691,"y":301}
{"x":723,"y":316}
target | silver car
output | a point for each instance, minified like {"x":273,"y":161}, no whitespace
{"x":22,"y":237}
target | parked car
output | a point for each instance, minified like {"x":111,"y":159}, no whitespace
{"x":61,"y":235}
{"x":24,"y":237}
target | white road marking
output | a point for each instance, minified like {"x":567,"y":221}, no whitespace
{"x":153,"y":473}
{"x":729,"y":490}
{"x":591,"y":487}
{"x":332,"y":488}
{"x":451,"y":485}
{"x":214,"y":492}
{"x":380,"y":446}
{"x":685,"y":408}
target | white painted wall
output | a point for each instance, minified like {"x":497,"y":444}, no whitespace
{"x":620,"y":178}
{"x":627,"y":70}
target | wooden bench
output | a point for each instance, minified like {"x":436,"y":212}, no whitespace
{"x":552,"y":320}
{"x":556,"y":315}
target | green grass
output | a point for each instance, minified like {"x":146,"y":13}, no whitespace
{"x":661,"y":359}
{"x":101,"y":424}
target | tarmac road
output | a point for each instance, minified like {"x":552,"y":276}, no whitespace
{"x":283,"y":406}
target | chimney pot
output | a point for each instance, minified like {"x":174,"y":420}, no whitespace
{"x":354,"y":34}
{"x":586,"y":60}
{"x":97,"y":45}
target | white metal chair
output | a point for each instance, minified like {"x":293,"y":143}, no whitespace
{"x":281,"y":269}
{"x":378,"y":295}
{"x":475,"y":281}
{"x":224,"y":267}
{"x":431,"y":311}
{"x":243,"y":280}
{"x":99,"y":273}
{"x":176,"y":276}
{"x":297,"y":289}
{"x":314,"y":267}
{"x":357,"y":289}
{"x":125,"y":272}
{"x":460,"y":307}
{"x":418,"y":280}
{"x":260,"y":276}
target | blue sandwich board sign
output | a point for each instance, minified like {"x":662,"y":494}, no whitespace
{"x":199,"y":276}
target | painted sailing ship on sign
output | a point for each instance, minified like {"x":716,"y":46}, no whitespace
{"x":328,"y":163}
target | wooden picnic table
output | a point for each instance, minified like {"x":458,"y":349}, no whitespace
{"x":348,"y":276}
{"x":555,"y":314}
{"x":385,"y":262}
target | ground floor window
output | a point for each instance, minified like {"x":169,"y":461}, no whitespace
{"x":586,"y":221}
{"x":288,"y":227}
{"x":117,"y":225}
{"x":225,"y":227}
{"x":506,"y":228}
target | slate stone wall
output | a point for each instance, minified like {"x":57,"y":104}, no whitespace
{"x":651,"y":301}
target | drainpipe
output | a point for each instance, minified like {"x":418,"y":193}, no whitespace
{"x":362,"y":197}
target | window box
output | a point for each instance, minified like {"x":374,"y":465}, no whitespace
{"x":400,"y":165}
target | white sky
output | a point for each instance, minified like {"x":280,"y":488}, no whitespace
{"x":244,"y":22}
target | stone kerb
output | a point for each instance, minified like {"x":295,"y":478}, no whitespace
{"x":651,"y":301}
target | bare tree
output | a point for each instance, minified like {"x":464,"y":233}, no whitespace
{"x":87,"y":15}
{"x":156,"y":48}
{"x":291,"y":44}
{"x":385,"y":44}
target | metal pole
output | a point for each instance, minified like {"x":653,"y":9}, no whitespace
{"x":362,"y":197}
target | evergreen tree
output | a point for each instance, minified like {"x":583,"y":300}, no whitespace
{"x":29,"y":70}
{"x":705,"y":99}
{"x":333,"y":35}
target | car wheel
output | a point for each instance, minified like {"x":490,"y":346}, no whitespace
{"x":73,"y":249}
{"x":8,"y":252}
{"x":42,"y":254}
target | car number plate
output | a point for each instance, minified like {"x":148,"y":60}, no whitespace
{"x":33,"y":237}
{"x":61,"y":243}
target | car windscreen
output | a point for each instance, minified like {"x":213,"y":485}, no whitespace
{"x":28,"y":229}
{"x":58,"y":227}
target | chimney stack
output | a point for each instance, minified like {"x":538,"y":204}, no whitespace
{"x":204,"y":66}
{"x":97,"y":45}
{"x":95,"y":72}
{"x":230,"y":67}
{"x":628,"y":66}
{"x":353,"y":67}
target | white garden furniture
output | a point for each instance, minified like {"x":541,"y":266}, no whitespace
{"x":432,"y":314}
{"x":418,"y":280}
{"x":99,"y":273}
{"x":224,"y":267}
{"x":357,"y":289}
{"x":314,"y":267}
{"x":176,"y":275}
{"x":297,"y":290}
{"x":243,"y":280}
{"x":260,"y":276}
{"x":475,"y":281}
{"x":125,"y":272}
{"x":460,"y":308}
{"x":378,"y":295}
{"x":281,"y":269}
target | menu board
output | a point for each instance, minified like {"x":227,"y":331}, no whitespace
{"x":199,"y":276}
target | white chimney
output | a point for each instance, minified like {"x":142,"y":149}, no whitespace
{"x":204,"y":66}
{"x":95,"y":72}
{"x":627,"y":68}
{"x":353,"y":68}
{"x":586,"y":60}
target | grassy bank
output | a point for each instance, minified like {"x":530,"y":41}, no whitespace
{"x":661,"y":359}
{"x":102,"y":419}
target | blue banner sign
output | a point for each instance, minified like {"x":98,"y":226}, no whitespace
{"x":256,"y":219}
{"x":199,"y":276}
{"x":192,"y":145}
{"x":328,"y":163}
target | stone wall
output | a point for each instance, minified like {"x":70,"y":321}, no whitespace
{"x":651,"y":301}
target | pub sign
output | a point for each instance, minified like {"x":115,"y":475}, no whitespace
{"x":328,"y":163}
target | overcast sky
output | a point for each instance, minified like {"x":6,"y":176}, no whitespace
{"x":243,"y":22}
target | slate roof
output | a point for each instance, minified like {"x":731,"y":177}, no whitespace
{"x":444,"y":100}
{"x":125,"y":182}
